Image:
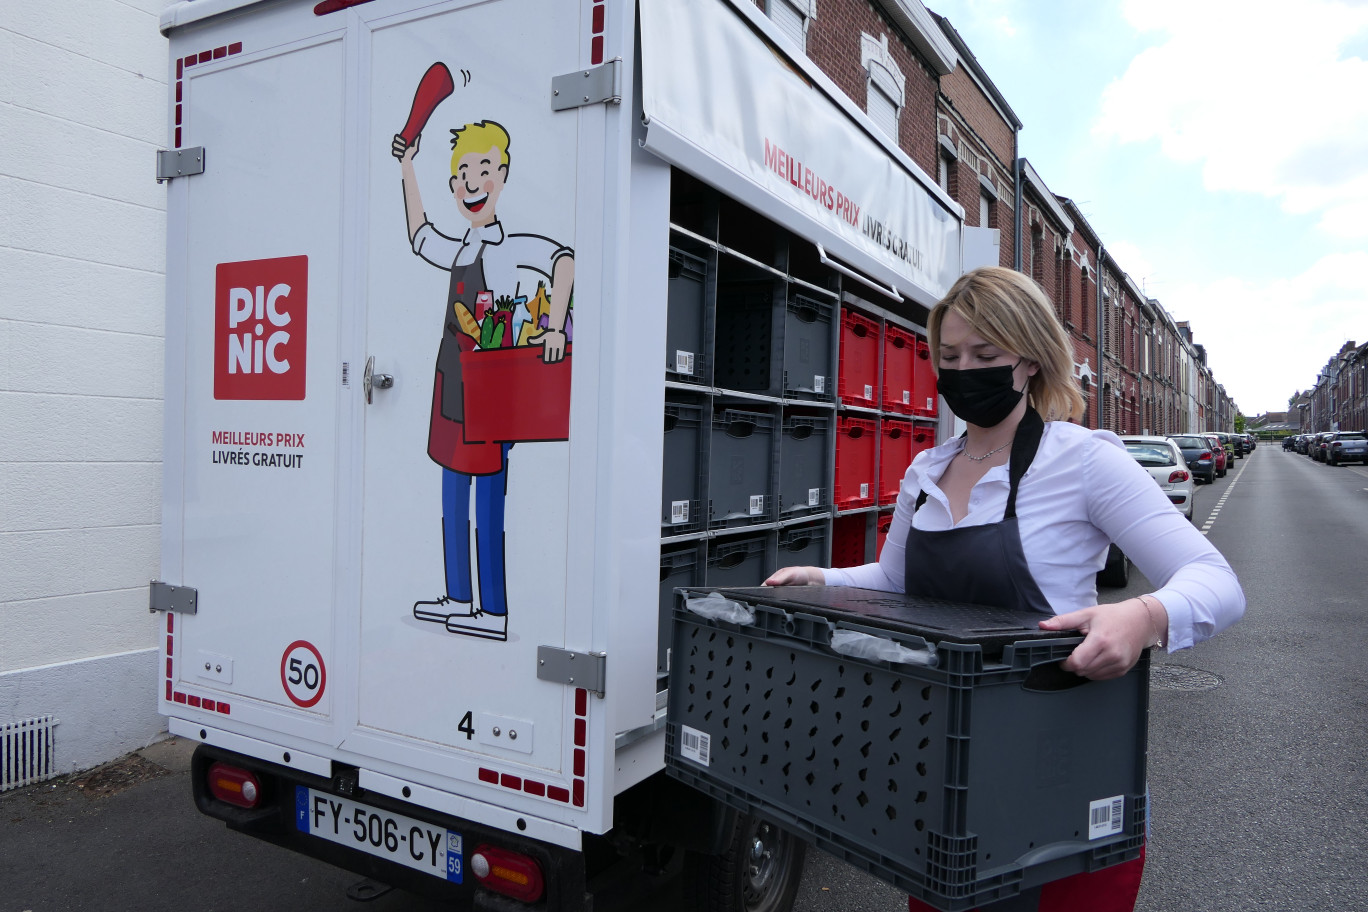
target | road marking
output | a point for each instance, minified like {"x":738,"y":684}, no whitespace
{"x":1216,"y":510}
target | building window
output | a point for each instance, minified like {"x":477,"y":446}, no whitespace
{"x":792,"y":17}
{"x":1038,"y":255}
{"x":1086,"y":323}
{"x":985,"y":211}
{"x":882,"y":110}
{"x":885,"y":88}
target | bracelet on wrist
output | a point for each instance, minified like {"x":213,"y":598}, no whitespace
{"x":1160,"y":635}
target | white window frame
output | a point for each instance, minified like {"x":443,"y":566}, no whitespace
{"x":884,"y":78}
{"x":792,"y":17}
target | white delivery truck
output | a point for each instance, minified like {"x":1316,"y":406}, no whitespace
{"x":419,"y":256}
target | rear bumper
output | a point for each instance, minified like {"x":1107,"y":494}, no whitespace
{"x":274,"y":822}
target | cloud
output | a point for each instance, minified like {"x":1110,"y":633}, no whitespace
{"x":1134,"y":263}
{"x":1267,"y":97}
{"x":1267,"y":340}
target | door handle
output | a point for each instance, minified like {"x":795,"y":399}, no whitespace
{"x":371,"y":381}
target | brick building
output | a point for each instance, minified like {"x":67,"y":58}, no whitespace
{"x":919,"y":82}
{"x":976,"y":134}
{"x":1339,"y":400}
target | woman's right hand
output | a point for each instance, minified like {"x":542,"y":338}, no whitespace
{"x":797,"y":576}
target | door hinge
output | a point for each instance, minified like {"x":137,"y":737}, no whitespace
{"x":166,"y":597}
{"x":578,"y":669}
{"x":596,"y":85}
{"x":172,"y":163}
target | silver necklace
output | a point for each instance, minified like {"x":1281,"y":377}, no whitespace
{"x":987,"y":454}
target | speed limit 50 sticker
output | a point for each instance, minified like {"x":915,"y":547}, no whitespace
{"x":303,"y":673}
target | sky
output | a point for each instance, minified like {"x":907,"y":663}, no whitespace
{"x":1219,"y":148}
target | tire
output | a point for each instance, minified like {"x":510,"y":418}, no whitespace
{"x":1117,"y":576}
{"x":758,"y":872}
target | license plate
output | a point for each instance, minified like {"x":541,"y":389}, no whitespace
{"x":411,"y":843}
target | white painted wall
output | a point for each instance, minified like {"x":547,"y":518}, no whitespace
{"x":83,"y":108}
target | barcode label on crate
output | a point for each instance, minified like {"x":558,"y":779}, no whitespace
{"x":869,"y":391}
{"x":757,"y":505}
{"x":1104,"y":817}
{"x":864,"y":490}
{"x":930,"y":403}
{"x":679,"y":511}
{"x":819,"y":384}
{"x":684,"y":362}
{"x":814,"y":496}
{"x":694,"y":745}
{"x":907,"y":397}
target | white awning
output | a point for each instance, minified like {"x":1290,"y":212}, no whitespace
{"x":725,"y":106}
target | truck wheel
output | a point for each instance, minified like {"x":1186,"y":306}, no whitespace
{"x":759,"y":871}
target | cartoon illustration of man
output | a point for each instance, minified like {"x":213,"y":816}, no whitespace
{"x":492,"y":275}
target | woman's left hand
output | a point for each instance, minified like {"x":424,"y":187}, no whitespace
{"x":1113,"y":638}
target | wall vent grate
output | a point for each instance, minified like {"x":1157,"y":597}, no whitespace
{"x":26,"y":752}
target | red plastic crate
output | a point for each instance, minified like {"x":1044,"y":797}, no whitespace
{"x":895,"y":454}
{"x":923,"y":438}
{"x":899,"y":356}
{"x":512,"y":395}
{"x":881,"y":535}
{"x":848,"y":541}
{"x":857,"y":441}
{"x":858,"y":377}
{"x":923,"y":382}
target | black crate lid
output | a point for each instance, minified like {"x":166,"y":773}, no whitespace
{"x":931,"y":619}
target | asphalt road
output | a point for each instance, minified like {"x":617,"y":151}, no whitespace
{"x":1258,"y":746}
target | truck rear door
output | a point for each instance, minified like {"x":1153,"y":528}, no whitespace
{"x":253,"y":381}
{"x":466,"y":451}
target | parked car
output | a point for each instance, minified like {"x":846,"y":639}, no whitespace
{"x":1238,"y":445}
{"x":1227,"y":444}
{"x":1320,"y":444}
{"x":1116,"y":573}
{"x":1164,"y":461}
{"x":1289,"y":443}
{"x":1304,"y":444}
{"x":1197,"y":453}
{"x":1219,"y":455}
{"x":1347,"y":446}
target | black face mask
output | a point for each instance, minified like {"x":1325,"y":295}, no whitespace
{"x":983,"y":396}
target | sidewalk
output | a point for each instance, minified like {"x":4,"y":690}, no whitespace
{"x":126,"y":836}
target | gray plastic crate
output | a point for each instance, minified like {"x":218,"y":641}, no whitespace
{"x":686,"y":355}
{"x":962,"y":784}
{"x":803,"y":546}
{"x":679,"y":566}
{"x":805,"y":465}
{"x":740,"y":464}
{"x":809,"y":371}
{"x":681,"y":483}
{"x":736,"y":561}
{"x":744,"y":342}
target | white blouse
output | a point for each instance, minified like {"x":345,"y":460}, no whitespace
{"x":1082,"y":491}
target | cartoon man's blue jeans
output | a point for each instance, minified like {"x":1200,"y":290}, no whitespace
{"x":490,"y":491}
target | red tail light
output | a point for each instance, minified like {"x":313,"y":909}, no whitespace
{"x":1178,"y":475}
{"x":234,"y":785}
{"x":1206,"y":455}
{"x":510,"y":873}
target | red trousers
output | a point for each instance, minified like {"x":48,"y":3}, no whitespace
{"x":1113,"y":889}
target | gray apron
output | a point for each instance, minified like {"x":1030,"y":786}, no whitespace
{"x":466,"y":282}
{"x":980,"y":565}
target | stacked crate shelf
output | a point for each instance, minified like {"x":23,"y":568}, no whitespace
{"x":777,"y":387}
{"x":884,"y":390}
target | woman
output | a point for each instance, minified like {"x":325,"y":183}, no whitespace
{"x":1018,"y":513}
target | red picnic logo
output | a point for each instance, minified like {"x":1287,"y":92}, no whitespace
{"x":260,"y":321}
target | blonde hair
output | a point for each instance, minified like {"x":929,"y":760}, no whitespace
{"x":478,"y":137}
{"x":1010,"y":311}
